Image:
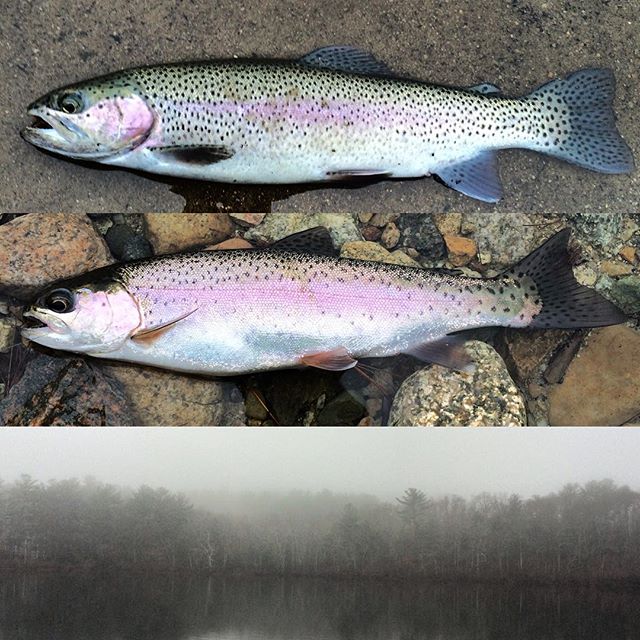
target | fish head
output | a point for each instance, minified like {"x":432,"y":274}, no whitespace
{"x":92,"y":120}
{"x":93,"y":318}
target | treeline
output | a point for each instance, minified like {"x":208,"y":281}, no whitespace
{"x":579,"y":533}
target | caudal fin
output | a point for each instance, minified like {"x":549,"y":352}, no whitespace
{"x":546,"y":275}
{"x":577,"y":122}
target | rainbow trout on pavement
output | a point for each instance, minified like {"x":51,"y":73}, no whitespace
{"x":238,"y":311}
{"x":335,"y":114}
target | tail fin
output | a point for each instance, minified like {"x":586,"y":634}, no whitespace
{"x":547,"y":274}
{"x":578,"y":123}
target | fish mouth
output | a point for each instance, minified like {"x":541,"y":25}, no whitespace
{"x":52,"y":131}
{"x":35,"y":324}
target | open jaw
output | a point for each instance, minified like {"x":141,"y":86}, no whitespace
{"x":34,"y":325}
{"x":54,"y":133}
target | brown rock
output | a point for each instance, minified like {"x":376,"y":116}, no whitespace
{"x":390,"y":236}
{"x":65,"y":392}
{"x":171,"y":232}
{"x":613,"y":268}
{"x":248,"y":219}
{"x":365,"y":217}
{"x":461,"y":250}
{"x":363,"y":250}
{"x":383,"y":219}
{"x":371,"y":233}
{"x":40,"y":248}
{"x":164,"y":398}
{"x":629,"y":254}
{"x":601,"y":385}
{"x":448,"y":223}
{"x":232,"y":243}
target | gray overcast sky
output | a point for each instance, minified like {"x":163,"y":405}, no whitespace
{"x":378,"y":461}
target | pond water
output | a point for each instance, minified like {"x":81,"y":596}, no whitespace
{"x":70,"y":607}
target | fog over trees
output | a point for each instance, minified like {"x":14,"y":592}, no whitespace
{"x":581,"y":532}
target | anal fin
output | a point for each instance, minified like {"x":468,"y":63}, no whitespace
{"x":448,"y":352}
{"x":337,"y":359}
{"x":477,"y":177}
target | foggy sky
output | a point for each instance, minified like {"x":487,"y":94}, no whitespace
{"x":381,"y":462}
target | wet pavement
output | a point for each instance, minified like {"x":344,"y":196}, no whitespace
{"x":516,"y":45}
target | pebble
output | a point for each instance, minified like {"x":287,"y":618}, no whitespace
{"x":418,"y":230}
{"x":448,"y":223}
{"x":601,"y":385}
{"x":437,"y":396}
{"x":614,"y":269}
{"x":365,"y":217}
{"x":629,"y":254}
{"x":461,"y":250}
{"x":371,"y":233}
{"x":383,"y":219}
{"x":40,"y":248}
{"x":172,"y":232}
{"x":390,"y":236}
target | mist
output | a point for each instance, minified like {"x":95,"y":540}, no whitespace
{"x":381,"y":463}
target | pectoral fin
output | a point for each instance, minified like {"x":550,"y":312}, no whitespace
{"x":349,"y":174}
{"x":448,"y":352}
{"x":334,"y":360}
{"x":195,"y":155}
{"x":153,"y":333}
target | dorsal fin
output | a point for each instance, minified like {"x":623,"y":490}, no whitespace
{"x":342,"y":58}
{"x":317,"y":241}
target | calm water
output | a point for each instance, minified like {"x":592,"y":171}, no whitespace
{"x":138,"y":608}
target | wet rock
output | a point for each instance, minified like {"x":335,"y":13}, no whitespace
{"x":164,"y":398}
{"x":171,"y":232}
{"x":363,"y":250}
{"x":63,"y":391}
{"x":461,"y":250}
{"x":390,"y":236}
{"x":601,"y":385}
{"x":418,"y":230}
{"x":383,"y":219}
{"x":248,"y":219}
{"x":38,"y":249}
{"x":437,"y":396}
{"x":344,"y":410}
{"x":528,"y":352}
{"x":343,"y":227}
{"x":126,"y":245}
{"x":625,"y":292}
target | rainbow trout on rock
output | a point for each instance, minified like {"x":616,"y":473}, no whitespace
{"x":245,"y":310}
{"x":335,"y":114}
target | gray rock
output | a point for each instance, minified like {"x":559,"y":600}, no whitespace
{"x":437,"y":396}
{"x":125,"y":244}
{"x":419,"y":231}
{"x":344,"y":410}
{"x":343,"y":227}
{"x":598,"y":230}
{"x":625,"y":292}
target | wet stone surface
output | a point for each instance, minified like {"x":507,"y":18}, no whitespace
{"x":548,"y":369}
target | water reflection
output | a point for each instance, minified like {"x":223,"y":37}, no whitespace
{"x":168,"y":607}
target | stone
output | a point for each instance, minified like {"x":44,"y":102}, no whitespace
{"x":448,"y":223}
{"x":461,"y":250}
{"x":61,"y":391}
{"x":255,"y":409}
{"x":418,"y":230}
{"x":172,"y":232}
{"x":363,"y":250}
{"x":628,"y":254}
{"x":165,"y":398}
{"x":625,"y":292}
{"x":365,"y":217}
{"x":601,"y":385}
{"x":343,"y":410}
{"x":7,"y":333}
{"x":528,"y":352}
{"x":248,"y":219}
{"x":613,"y":268}
{"x":369,"y":232}
{"x":232,"y":243}
{"x":343,"y":228}
{"x":40,"y":248}
{"x":561,"y":360}
{"x":390,"y":236}
{"x":437,"y":396}
{"x":597,"y":229}
{"x":126,"y":245}
{"x":383,"y":219}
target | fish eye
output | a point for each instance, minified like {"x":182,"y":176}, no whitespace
{"x":71,"y":103}
{"x":59,"y":301}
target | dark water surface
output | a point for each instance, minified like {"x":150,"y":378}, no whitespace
{"x":73,"y":608}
